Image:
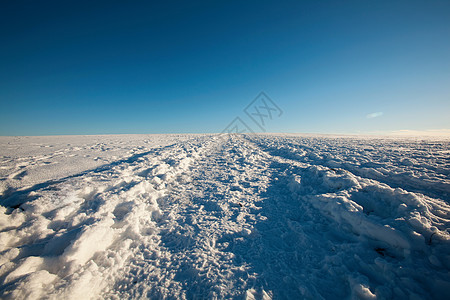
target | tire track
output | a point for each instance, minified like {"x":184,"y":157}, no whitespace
{"x":223,"y":217}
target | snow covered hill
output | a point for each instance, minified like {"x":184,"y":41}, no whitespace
{"x":218,"y":216}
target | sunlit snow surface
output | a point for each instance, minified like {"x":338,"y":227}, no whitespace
{"x":209,"y":216}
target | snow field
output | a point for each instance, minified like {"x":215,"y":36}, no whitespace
{"x":212,"y":216}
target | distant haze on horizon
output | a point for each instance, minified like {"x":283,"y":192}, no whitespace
{"x":108,"y":67}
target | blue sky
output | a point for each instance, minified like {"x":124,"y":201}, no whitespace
{"x":74,"y":67}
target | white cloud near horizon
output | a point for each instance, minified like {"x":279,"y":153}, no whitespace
{"x":374,"y":115}
{"x":430,"y":132}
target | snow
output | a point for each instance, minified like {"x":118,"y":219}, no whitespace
{"x":224,"y":216}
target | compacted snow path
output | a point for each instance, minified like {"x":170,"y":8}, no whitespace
{"x":235,"y":216}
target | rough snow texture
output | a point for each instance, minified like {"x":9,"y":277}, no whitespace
{"x":209,"y":216}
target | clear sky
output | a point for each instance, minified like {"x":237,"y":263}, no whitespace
{"x":100,"y":67}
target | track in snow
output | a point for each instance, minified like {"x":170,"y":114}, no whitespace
{"x":236,"y":216}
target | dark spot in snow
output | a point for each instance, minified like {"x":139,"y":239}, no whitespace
{"x":17,"y":206}
{"x":430,"y":239}
{"x":381,"y":251}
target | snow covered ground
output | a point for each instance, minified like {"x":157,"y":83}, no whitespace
{"x":209,"y":216}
